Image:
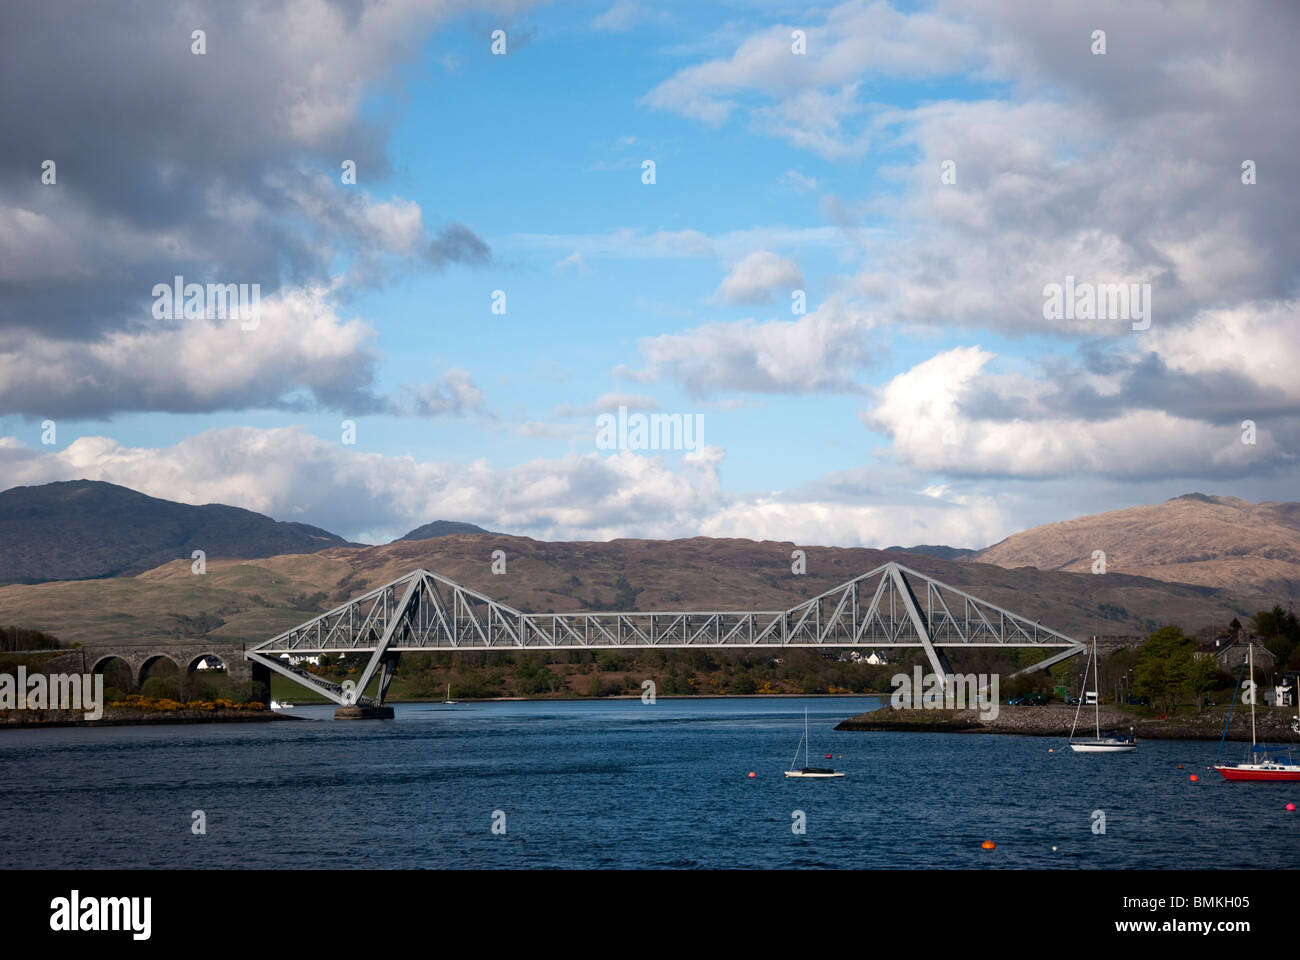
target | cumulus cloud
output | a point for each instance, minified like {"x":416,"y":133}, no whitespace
{"x":824,"y":350}
{"x":1117,"y":168}
{"x":300,"y":355}
{"x":453,"y":393}
{"x":300,"y":345}
{"x":223,"y":167}
{"x":805,"y":99}
{"x":608,"y":403}
{"x":949,"y":415}
{"x":292,"y":475}
{"x":753,"y":279}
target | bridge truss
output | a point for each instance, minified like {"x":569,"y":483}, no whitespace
{"x":892,"y":606}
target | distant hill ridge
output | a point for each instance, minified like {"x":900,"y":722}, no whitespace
{"x":1214,"y":541}
{"x":86,"y":529}
{"x":441,"y":528}
{"x":935,"y":550}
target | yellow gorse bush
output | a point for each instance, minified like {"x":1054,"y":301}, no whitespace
{"x":135,"y":701}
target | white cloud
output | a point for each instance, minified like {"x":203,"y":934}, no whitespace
{"x":573,"y":260}
{"x":452,"y":393}
{"x":608,"y":403}
{"x":292,"y":475}
{"x":824,"y":350}
{"x":931,"y":414}
{"x":300,"y":344}
{"x":753,"y":279}
{"x":638,"y":244}
{"x":797,"y":180}
{"x":626,"y":14}
{"x":855,"y":40}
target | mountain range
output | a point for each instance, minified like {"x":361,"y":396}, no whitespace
{"x":116,"y":564}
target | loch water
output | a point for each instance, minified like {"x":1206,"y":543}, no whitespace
{"x":615,"y":783}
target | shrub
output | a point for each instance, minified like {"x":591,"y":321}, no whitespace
{"x":160,"y":688}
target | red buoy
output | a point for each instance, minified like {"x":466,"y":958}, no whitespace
{"x":1192,"y":778}
{"x":989,"y":845}
{"x":828,"y":756}
{"x":1180,"y":766}
{"x":1290,"y":808}
{"x":752,"y":775}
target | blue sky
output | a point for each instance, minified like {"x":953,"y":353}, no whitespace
{"x":922,"y":397}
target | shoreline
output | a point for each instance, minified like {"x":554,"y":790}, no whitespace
{"x":621,"y":696}
{"x":119,"y":717}
{"x":1055,"y":720}
{"x":125,"y":717}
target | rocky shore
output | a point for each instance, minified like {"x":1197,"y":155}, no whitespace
{"x":1054,"y":720}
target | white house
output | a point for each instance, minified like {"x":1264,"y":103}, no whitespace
{"x":296,"y":659}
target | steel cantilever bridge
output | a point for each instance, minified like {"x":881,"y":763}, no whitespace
{"x":891,"y":606}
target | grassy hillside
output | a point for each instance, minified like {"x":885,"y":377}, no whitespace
{"x":252,"y":600}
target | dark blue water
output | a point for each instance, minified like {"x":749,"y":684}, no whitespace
{"x":613,"y":784}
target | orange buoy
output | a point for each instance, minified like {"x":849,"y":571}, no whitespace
{"x":1192,"y":778}
{"x":989,"y":845}
{"x":1180,"y":766}
{"x":752,"y":775}
{"x":1050,"y":750}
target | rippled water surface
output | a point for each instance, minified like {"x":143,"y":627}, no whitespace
{"x":614,"y":784}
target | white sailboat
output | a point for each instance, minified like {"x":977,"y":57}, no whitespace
{"x":449,"y":699}
{"x":807,"y":772}
{"x":1099,"y":744}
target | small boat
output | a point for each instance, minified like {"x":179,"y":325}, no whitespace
{"x":1099,"y":744}
{"x":277,"y":705}
{"x":1260,"y":766}
{"x":807,"y":772}
{"x":1103,"y":745}
{"x":449,"y":699}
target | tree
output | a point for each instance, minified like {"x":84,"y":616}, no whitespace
{"x":1203,"y":675}
{"x":594,"y":686}
{"x":1164,"y":665}
{"x":1280,"y":631}
{"x":742,"y":683}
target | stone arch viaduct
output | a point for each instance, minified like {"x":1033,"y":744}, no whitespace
{"x":139,"y":657}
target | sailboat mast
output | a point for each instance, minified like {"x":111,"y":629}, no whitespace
{"x":1250,"y":654}
{"x":1096,"y":682}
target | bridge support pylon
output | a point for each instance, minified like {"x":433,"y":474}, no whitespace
{"x":364,"y":711}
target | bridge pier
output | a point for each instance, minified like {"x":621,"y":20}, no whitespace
{"x":364,"y":712}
